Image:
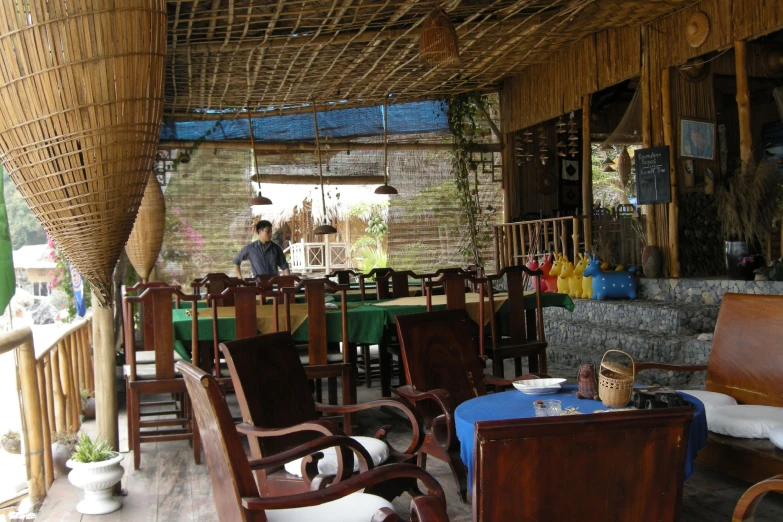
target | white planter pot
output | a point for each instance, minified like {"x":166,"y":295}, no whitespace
{"x":97,"y":480}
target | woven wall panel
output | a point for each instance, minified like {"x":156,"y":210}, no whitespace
{"x":617,"y":55}
{"x":755,"y":18}
{"x":81,"y":90}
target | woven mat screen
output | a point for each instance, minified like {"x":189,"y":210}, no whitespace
{"x":81,"y":90}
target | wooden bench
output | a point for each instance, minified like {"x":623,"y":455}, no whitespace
{"x":746,"y":363}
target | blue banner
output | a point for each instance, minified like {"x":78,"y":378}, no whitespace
{"x":78,"y":290}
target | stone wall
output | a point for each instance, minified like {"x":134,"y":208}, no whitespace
{"x":705,"y":291}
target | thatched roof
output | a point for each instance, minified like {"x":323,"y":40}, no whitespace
{"x":277,"y":56}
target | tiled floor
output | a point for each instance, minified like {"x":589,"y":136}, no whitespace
{"x":170,"y":487}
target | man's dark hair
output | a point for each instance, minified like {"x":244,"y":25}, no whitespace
{"x":262,"y":224}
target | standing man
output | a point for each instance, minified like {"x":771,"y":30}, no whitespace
{"x":265,"y":255}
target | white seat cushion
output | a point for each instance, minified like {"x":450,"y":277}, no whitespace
{"x":711,"y":400}
{"x":378,"y":450}
{"x":148,"y":357}
{"x":144,"y":372}
{"x":356,"y":507}
{"x":745,"y":420}
{"x":776,"y":436}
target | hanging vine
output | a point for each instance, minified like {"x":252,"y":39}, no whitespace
{"x":463,"y":112}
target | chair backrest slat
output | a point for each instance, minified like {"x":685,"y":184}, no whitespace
{"x":591,"y":468}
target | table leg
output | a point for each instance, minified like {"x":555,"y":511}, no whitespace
{"x":383,"y":362}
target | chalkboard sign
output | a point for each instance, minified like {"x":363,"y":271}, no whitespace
{"x":652,"y":176}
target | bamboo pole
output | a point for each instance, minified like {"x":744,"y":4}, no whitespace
{"x":564,"y":238}
{"x":275,"y":147}
{"x":587,"y":173}
{"x":576,"y":238}
{"x":105,"y":378}
{"x":743,"y":101}
{"x":515,"y":242}
{"x":328,"y":180}
{"x":32,"y":428}
{"x":73,"y":374}
{"x":60,"y":421}
{"x":674,"y":206}
{"x":49,"y":392}
{"x":87,"y":337}
{"x":647,"y":125}
{"x":45,"y":426}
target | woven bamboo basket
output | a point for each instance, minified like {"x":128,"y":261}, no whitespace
{"x":438,"y":42}
{"x":146,"y":239}
{"x":615,"y":382}
{"x":81,"y":93}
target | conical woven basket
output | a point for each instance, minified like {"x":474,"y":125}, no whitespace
{"x":438,"y":42}
{"x":146,"y":239}
{"x":81,"y":94}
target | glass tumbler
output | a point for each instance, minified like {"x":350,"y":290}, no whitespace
{"x":540,"y":408}
{"x":552,"y":408}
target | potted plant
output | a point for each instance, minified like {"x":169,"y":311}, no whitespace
{"x":11,"y":442}
{"x":63,"y":444}
{"x":747,"y":206}
{"x":95,"y":469}
{"x":771,"y":272}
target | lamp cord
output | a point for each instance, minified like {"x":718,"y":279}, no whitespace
{"x":318,"y":152}
{"x":253,"y":147}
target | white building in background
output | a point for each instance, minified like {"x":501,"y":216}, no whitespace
{"x":33,"y":265}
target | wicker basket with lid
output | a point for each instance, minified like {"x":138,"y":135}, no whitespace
{"x":615,"y":381}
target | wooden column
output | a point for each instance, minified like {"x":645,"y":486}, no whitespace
{"x":743,"y":101}
{"x":674,"y":206}
{"x":647,"y":125}
{"x":105,"y":378}
{"x":587,"y":175}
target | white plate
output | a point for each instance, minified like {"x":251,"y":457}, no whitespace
{"x":328,"y":299}
{"x":541,"y":391}
{"x":538,"y":383}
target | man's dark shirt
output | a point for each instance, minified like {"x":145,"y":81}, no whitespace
{"x":263,"y":260}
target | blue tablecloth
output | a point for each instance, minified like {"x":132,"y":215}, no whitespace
{"x":516,"y":405}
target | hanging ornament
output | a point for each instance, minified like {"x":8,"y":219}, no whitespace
{"x":624,"y":166}
{"x":544,"y":158}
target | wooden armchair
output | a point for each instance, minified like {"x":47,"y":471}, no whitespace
{"x":443,"y":369}
{"x":215,"y":283}
{"x":526,"y":327}
{"x":343,"y":276}
{"x":275,"y":399}
{"x":746,"y":363}
{"x":612,"y":466}
{"x":235,"y":492}
{"x":159,"y":377}
{"x":142,"y":355}
{"x":750,"y":500}
{"x":382,"y":278}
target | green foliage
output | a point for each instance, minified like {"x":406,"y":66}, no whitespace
{"x":66,"y":438}
{"x":774,"y":270}
{"x":368,"y":257}
{"x":463,"y":112}
{"x":607,"y":187}
{"x":434,"y":196}
{"x":750,"y":202}
{"x":88,"y":451}
{"x":25,"y":228}
{"x":9,"y":435}
{"x":61,"y":278}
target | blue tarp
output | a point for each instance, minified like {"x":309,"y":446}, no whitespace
{"x":403,"y":118}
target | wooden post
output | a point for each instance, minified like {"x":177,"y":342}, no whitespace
{"x":576,"y":238}
{"x":105,"y":378}
{"x":47,"y":430}
{"x":674,"y":206}
{"x":47,"y":362}
{"x":60,"y":421}
{"x":743,"y":101}
{"x":587,"y":173}
{"x":497,"y":250}
{"x":32,"y":427}
{"x":647,"y":125}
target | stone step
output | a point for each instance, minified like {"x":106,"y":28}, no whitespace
{"x":706,"y":291}
{"x":664,"y":317}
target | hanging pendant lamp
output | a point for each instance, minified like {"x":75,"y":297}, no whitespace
{"x":385,"y":188}
{"x":258,"y":199}
{"x":438,"y":42}
{"x":324,"y":228}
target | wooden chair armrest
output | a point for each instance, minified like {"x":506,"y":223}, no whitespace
{"x":428,"y":508}
{"x":344,"y":456}
{"x":365,"y":480}
{"x":320,"y":426}
{"x":642,"y":366}
{"x":443,"y":399}
{"x":749,"y":501}
{"x":412,"y":413}
{"x":322,"y":371}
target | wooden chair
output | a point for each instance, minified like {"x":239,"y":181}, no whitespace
{"x":615,"y":466}
{"x":343,"y":276}
{"x":235,"y":492}
{"x":526,"y":327}
{"x":746,"y":363}
{"x":455,"y":285}
{"x":143,"y":355}
{"x":158,"y":378}
{"x":275,"y":399}
{"x":750,"y":500}
{"x":443,"y":370}
{"x":215,"y":283}
{"x":316,"y":351}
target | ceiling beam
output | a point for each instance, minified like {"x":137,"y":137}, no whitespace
{"x":310,"y":146}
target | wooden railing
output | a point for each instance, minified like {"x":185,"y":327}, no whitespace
{"x":49,"y":383}
{"x":318,"y":257}
{"x":514,"y":242}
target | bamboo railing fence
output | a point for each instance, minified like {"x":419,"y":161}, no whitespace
{"x":50,"y":382}
{"x":514,"y":242}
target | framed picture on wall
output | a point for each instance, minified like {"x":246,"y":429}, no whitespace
{"x":697,"y":139}
{"x":570,"y":170}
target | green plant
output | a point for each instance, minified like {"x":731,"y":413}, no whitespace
{"x":463,"y":112}
{"x":88,"y":451}
{"x":773,"y":271}
{"x":750,"y":201}
{"x":10,"y":435}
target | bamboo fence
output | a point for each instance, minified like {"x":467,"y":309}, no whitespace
{"x":50,"y":384}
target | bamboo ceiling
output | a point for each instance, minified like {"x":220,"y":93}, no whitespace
{"x":275,"y":56}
